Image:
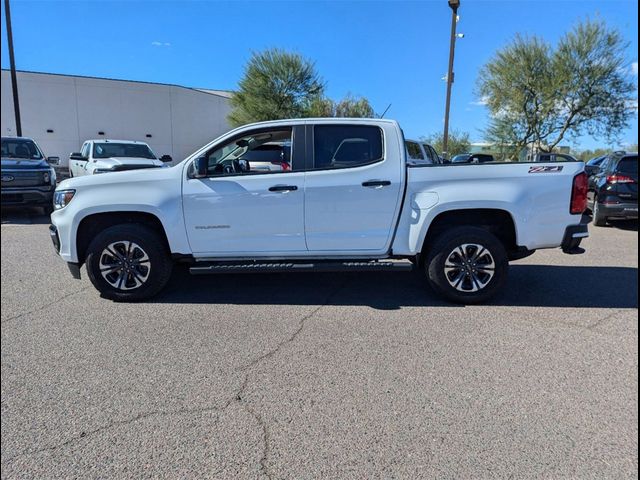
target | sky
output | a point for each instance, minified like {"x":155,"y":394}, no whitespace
{"x":392,"y":52}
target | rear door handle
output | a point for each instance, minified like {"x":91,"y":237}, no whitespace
{"x":283,"y":188}
{"x":376,"y":183}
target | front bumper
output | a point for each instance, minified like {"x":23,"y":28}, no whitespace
{"x":74,"y":268}
{"x":573,"y":236}
{"x":28,"y":196}
{"x":619,"y":210}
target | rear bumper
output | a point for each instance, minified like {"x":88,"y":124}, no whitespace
{"x":574,"y":234}
{"x":28,"y":196}
{"x":619,"y":210}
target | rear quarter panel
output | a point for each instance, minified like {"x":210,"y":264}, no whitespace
{"x":538,"y":201}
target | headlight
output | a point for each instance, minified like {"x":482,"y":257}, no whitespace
{"x":61,"y":198}
{"x":49,"y":177}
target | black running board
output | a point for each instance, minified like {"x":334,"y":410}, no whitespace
{"x":288,"y":267}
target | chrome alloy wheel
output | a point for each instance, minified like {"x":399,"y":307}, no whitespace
{"x":124,"y":265}
{"x":469,"y":267}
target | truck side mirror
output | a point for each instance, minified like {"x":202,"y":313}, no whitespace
{"x":166,"y":158}
{"x":53,"y":160}
{"x":201,"y":167}
{"x":77,"y":156}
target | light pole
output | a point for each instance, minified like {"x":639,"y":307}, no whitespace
{"x":454,"y":4}
{"x":12,"y":64}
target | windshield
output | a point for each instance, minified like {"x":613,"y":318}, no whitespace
{"x":460,"y":158}
{"x":20,"y":148}
{"x":138,"y":150}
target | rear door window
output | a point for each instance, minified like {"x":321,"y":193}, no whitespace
{"x":414,"y":151}
{"x":346,"y":146}
{"x":628,"y":166}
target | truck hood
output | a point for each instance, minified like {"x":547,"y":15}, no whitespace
{"x":129,"y":161}
{"x":121,"y":179}
{"x":24,"y":163}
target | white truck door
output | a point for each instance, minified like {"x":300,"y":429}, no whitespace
{"x":77,"y":164}
{"x":353,"y":187}
{"x":239,"y":212}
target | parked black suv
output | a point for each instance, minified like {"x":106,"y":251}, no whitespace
{"x":27,"y":177}
{"x":613,"y":188}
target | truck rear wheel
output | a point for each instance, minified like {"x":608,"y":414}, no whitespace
{"x":467,"y":265}
{"x":128,"y":263}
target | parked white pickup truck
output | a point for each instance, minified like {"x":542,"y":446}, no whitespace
{"x":348,"y":202}
{"x":104,"y":156}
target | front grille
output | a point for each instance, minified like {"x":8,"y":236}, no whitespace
{"x":26,"y":178}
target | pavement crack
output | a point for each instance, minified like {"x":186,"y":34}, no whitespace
{"x":44,"y":307}
{"x":599,"y":322}
{"x":117,"y":423}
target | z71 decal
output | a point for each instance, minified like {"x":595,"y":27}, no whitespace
{"x":545,"y":169}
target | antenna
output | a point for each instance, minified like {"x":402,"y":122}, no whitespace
{"x":385,"y":111}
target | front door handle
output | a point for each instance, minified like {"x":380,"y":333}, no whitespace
{"x":283,"y":188}
{"x":376,"y":183}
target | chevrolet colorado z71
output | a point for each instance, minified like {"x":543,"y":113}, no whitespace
{"x":348,"y":202}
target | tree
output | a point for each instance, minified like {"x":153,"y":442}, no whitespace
{"x":276,"y":84}
{"x":539,"y":95}
{"x":348,"y":107}
{"x":458,"y":142}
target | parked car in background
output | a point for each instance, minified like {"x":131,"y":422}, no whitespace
{"x":473,"y":158}
{"x":590,"y":167}
{"x":350,"y":202}
{"x":102,"y":156}
{"x":420,"y":153}
{"x":613,"y":191}
{"x":27,"y":176}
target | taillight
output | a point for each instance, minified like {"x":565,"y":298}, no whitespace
{"x":616,"y":178}
{"x":579,"y":194}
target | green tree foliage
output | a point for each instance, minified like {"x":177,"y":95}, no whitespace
{"x":276,"y":84}
{"x":539,"y":95}
{"x":348,"y":107}
{"x":586,"y":155}
{"x":458,"y":142}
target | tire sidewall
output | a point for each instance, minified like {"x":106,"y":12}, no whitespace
{"x":442,"y":248}
{"x":149,"y":241}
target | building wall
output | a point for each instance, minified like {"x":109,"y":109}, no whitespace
{"x":173,"y":120}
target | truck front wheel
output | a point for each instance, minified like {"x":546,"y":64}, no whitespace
{"x":128,"y":263}
{"x":467,"y":265}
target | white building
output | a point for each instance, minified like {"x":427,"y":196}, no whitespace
{"x":60,"y":112}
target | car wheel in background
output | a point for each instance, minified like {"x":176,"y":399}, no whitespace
{"x":467,"y":265}
{"x":128,"y":262}
{"x":599,"y":220}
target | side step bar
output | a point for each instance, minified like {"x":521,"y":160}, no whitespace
{"x":287,"y":267}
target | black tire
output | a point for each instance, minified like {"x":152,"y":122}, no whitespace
{"x":599,"y":220}
{"x":442,"y":249}
{"x":154,"y":266}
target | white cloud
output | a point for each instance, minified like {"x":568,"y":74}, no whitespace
{"x":160,"y":44}
{"x":481,"y":102}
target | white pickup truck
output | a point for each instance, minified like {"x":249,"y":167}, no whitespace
{"x":349,"y":201}
{"x":104,"y":156}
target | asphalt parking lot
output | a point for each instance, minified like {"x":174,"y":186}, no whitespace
{"x":321,"y":375}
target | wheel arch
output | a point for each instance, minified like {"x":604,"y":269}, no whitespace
{"x":498,"y":221}
{"x":93,"y":224}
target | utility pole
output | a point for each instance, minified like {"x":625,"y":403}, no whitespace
{"x":12,"y":61}
{"x":454,"y":4}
